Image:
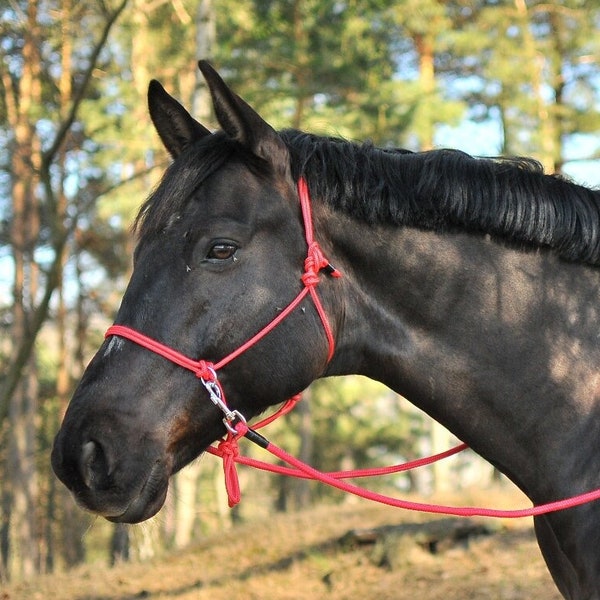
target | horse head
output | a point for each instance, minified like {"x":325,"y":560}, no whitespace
{"x":220,"y":252}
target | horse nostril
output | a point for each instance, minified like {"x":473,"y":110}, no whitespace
{"x":94,"y":465}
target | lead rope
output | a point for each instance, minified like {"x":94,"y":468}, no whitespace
{"x":228,"y":450}
{"x":303,"y":470}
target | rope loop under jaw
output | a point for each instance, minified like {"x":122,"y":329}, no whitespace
{"x":229,"y":452}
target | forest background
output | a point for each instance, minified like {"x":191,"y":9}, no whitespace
{"x":78,"y":156}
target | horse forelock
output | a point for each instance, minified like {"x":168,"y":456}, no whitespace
{"x":448,"y":190}
{"x":184,"y":176}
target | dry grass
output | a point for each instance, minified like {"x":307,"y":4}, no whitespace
{"x":297,"y":557}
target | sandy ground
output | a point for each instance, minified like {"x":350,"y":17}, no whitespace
{"x":298,"y":557}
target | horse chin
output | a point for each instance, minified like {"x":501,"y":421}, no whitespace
{"x":149,"y":500}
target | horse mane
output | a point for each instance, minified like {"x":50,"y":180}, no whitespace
{"x":448,"y":190}
{"x":510,"y":199}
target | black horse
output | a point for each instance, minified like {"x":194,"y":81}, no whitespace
{"x":469,"y":286}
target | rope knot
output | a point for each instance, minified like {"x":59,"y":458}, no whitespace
{"x":314,"y":262}
{"x":205,"y":370}
{"x":229,"y":450}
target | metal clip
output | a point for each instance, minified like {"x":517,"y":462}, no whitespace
{"x":231,"y":419}
{"x":215,"y":394}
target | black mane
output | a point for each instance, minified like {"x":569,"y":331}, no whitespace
{"x":440,"y":190}
{"x":448,"y":190}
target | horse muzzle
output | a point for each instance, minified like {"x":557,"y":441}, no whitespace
{"x":125,"y":485}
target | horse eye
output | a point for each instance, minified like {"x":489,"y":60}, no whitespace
{"x":221,"y":251}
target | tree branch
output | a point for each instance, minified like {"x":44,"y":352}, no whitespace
{"x":20,"y":359}
{"x":23,"y":354}
{"x":65,"y":126}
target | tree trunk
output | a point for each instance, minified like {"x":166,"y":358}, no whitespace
{"x":558,"y":87}
{"x":536,"y":63}
{"x":301,"y":488}
{"x":441,"y":440}
{"x":186,"y":503}
{"x":21,"y":493}
{"x":206,"y":39}
{"x":425,"y":50}
{"x":119,"y":544}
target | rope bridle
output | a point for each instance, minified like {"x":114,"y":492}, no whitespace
{"x":237,"y":427}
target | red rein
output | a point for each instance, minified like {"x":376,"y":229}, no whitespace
{"x":227,"y":448}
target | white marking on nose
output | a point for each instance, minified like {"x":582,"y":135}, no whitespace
{"x":115,"y":344}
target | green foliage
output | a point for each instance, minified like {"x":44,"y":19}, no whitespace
{"x":537,"y":63}
{"x":323,"y":64}
{"x":358,"y":418}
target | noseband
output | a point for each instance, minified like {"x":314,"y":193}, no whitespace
{"x":314,"y":263}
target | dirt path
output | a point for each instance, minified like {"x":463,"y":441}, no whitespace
{"x":298,"y":557}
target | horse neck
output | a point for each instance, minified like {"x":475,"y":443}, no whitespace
{"x":480,"y":336}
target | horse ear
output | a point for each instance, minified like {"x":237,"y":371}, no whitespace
{"x":175,"y":126}
{"x":242,"y":123}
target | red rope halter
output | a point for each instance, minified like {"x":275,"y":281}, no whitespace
{"x":237,"y":427}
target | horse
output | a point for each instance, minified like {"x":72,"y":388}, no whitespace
{"x":469,"y":286}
